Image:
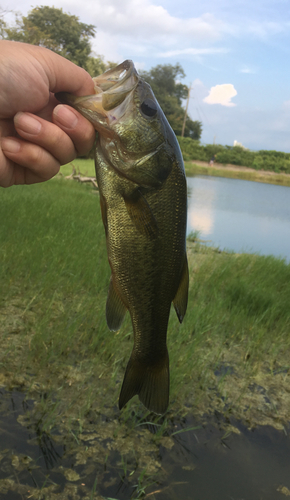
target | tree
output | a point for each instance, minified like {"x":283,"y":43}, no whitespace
{"x":54,"y":29}
{"x":97,"y":66}
{"x":2,"y":23}
{"x":192,"y":129}
{"x":169,"y":92}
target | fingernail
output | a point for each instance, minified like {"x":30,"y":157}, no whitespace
{"x":27,"y":123}
{"x":10,"y":145}
{"x":65,"y":116}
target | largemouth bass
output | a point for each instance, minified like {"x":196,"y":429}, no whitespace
{"x":143,"y":196}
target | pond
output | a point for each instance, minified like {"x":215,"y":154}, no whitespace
{"x":241,"y":216}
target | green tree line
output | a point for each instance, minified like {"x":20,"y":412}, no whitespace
{"x":66,"y":35}
{"x":275,"y":161}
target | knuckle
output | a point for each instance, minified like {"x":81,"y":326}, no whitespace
{"x":85,"y":139}
{"x":60,"y":145}
{"x":41,"y":162}
{"x":35,"y":154}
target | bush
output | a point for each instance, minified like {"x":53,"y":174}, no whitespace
{"x":193,"y":150}
{"x":275,"y":161}
{"x":258,"y":163}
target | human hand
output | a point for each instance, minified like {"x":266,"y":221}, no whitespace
{"x":37,"y":134}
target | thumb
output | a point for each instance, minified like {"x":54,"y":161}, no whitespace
{"x":62,"y":74}
{"x":66,"y":76}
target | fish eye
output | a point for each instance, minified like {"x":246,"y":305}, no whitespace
{"x":149,"y":107}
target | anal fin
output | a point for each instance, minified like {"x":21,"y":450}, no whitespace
{"x":115,"y":308}
{"x":180,"y":299}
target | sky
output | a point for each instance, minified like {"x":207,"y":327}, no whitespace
{"x":235,"y":55}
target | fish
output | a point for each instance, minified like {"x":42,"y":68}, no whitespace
{"x":143,"y":198}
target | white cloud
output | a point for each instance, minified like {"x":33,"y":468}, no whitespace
{"x":139,"y":65}
{"x":106,"y":45}
{"x":221,"y":94}
{"x":139,"y":28}
{"x":286,"y":105}
{"x":145,"y":19}
{"x":267,"y":28}
{"x":246,"y":69}
{"x":197,"y":82}
{"x":193,"y":51}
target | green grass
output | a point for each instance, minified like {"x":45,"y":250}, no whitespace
{"x":54,"y":277}
{"x":86,"y":167}
{"x":54,"y":267}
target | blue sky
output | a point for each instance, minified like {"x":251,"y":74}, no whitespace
{"x":235,"y":55}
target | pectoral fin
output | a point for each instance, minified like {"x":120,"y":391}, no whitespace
{"x":141,"y":214}
{"x":150,"y":170}
{"x":115,"y":308}
{"x":104,"y":212}
{"x":180,"y":299}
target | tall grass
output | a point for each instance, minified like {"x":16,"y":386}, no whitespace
{"x":53,"y":259}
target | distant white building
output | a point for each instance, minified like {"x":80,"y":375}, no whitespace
{"x":239,"y":144}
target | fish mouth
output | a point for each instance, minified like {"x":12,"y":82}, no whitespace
{"x":113,"y":91}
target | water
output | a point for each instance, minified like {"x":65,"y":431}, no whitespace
{"x":239,"y":215}
{"x":205,"y":461}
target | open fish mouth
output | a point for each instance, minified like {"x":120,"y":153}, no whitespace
{"x":113,"y":92}
{"x":116,"y":83}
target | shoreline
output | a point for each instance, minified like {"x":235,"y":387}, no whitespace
{"x":236,"y":172}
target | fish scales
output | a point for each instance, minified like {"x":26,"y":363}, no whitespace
{"x":143,"y":192}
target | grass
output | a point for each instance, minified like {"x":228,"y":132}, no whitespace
{"x":86,"y":167}
{"x":192,"y":168}
{"x":56,"y":345}
{"x":54,"y":279}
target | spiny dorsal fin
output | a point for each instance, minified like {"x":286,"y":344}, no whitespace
{"x":180,"y":299}
{"x":115,"y":308}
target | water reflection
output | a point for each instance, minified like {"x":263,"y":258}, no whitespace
{"x":202,"y":221}
{"x":201,"y":215}
{"x":240,"y":215}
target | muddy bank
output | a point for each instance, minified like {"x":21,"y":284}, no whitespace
{"x":213,"y":457}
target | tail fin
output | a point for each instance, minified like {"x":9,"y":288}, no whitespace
{"x":150,"y":382}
